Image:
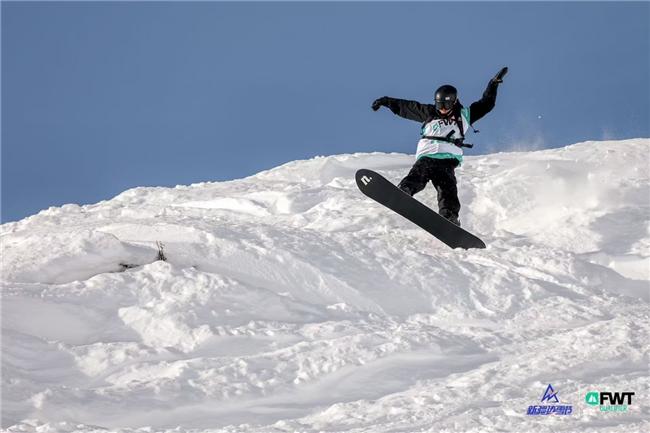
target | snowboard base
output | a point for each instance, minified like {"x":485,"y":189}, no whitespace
{"x":378,"y":188}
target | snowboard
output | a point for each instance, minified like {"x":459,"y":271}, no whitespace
{"x":378,"y":188}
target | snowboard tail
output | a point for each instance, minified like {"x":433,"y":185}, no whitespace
{"x":381,"y":190}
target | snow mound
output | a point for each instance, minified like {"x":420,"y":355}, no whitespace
{"x":289,"y":301}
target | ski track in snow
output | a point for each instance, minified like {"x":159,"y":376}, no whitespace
{"x":289,"y":302}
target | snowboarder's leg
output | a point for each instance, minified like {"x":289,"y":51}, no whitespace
{"x":417,"y":178}
{"x":444,"y":180}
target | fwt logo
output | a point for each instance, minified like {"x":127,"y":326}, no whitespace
{"x":610,"y":401}
{"x":550,"y":396}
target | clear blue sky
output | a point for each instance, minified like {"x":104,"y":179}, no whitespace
{"x":101,"y":97}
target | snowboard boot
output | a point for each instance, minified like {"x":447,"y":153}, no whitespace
{"x":450,"y":217}
{"x":454,"y":220}
{"x":406,"y":189}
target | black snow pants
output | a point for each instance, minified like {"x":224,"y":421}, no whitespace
{"x":441,"y":173}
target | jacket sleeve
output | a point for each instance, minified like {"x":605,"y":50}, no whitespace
{"x":411,"y":110}
{"x":484,"y":105}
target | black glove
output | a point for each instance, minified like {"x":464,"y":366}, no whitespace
{"x":498,"y":78}
{"x":379,"y":102}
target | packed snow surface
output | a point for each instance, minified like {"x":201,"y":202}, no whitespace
{"x":290,"y":302}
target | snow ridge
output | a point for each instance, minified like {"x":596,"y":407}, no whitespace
{"x":291,"y":302}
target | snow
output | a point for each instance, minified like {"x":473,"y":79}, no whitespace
{"x":289,"y":302}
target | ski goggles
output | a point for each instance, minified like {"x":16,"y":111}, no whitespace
{"x":445,"y":104}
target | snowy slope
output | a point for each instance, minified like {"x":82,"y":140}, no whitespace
{"x":291,"y":302}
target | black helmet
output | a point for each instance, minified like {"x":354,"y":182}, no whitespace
{"x":446,"y":97}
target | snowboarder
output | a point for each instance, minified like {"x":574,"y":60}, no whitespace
{"x":440,"y":149}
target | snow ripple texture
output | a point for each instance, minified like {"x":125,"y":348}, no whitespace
{"x":289,"y":302}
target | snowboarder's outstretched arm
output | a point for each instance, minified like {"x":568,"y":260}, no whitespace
{"x":411,"y":110}
{"x":484,"y":105}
